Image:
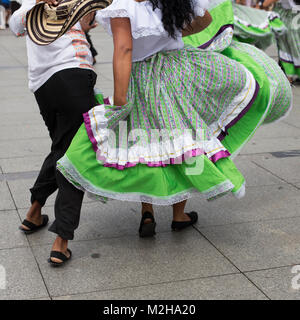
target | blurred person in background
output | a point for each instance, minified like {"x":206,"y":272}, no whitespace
{"x":289,"y":43}
{"x":6,"y":5}
{"x":62,"y":78}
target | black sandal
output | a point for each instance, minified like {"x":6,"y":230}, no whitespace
{"x":59,"y":255}
{"x":33,"y":227}
{"x":179,"y":225}
{"x":147,"y":229}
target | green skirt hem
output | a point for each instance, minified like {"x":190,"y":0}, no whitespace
{"x":181,"y":192}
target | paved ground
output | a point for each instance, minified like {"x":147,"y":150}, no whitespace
{"x":240,"y":249}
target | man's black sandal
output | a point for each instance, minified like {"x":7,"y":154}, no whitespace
{"x":147,"y":229}
{"x":60,"y":256}
{"x":33,"y":227}
{"x":179,"y":225}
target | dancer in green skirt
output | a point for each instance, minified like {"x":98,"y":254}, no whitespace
{"x":257,"y":27}
{"x":179,"y":114}
{"x":288,"y":43}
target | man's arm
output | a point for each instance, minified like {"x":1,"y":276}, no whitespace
{"x":17,"y":22}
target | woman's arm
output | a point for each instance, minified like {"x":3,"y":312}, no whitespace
{"x":17,"y":22}
{"x":122,"y":60}
{"x":198,"y":24}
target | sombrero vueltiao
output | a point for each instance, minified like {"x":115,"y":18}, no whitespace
{"x":46,"y":23}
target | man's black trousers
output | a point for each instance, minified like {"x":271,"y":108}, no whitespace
{"x":62,"y":101}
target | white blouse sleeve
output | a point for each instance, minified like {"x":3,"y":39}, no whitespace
{"x":143,"y":22}
{"x":200,"y":6}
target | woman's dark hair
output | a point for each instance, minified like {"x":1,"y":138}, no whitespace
{"x":176,"y":14}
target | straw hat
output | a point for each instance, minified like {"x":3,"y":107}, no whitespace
{"x":46,"y":23}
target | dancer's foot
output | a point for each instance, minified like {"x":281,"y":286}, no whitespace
{"x":184,"y":221}
{"x":147,"y":224}
{"x":34,"y":216}
{"x":59,"y":252}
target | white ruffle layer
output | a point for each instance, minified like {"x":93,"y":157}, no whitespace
{"x":109,"y":151}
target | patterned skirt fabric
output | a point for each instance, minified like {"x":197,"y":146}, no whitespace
{"x":257,"y":27}
{"x":189,"y":112}
{"x":280,"y":88}
{"x":288,"y":44}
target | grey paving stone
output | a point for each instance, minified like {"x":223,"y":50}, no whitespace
{"x":29,"y":131}
{"x":9,"y":78}
{"x":131,"y":261}
{"x":24,"y":148}
{"x":254,"y":175}
{"x":6,"y":60}
{"x":23,"y":280}
{"x":277,"y":130}
{"x":258,"y":145}
{"x":258,"y":245}
{"x":285,"y":168}
{"x":21,"y":118}
{"x":259,"y":203}
{"x":22,"y":164}
{"x":6,"y":201}
{"x":294,"y":118}
{"x":18,"y":104}
{"x":229,"y":287}
{"x":279,"y":283}
{"x":10,"y":235}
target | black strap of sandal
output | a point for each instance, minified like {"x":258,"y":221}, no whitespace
{"x":147,"y":215}
{"x":179,"y":225}
{"x":29,"y":224}
{"x":59,"y":255}
{"x":33,"y":226}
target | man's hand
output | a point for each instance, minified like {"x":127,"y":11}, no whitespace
{"x":87,"y":22}
{"x":50,"y":2}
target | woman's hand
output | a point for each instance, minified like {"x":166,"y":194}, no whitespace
{"x":88,"y":22}
{"x":50,"y":2}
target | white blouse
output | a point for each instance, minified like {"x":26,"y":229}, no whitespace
{"x":148,"y":33}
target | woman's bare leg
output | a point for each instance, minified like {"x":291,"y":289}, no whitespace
{"x":147,"y":207}
{"x":178,"y":212}
{"x":34,"y":215}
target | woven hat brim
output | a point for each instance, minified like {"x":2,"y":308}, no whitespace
{"x":43,"y":32}
{"x":38,"y":30}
